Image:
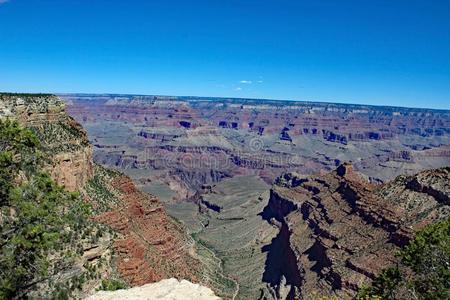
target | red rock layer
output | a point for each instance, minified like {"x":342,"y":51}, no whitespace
{"x":150,"y":247}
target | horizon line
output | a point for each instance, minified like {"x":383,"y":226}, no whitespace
{"x":231,"y":98}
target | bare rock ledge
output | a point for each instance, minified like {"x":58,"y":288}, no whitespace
{"x":167,"y":289}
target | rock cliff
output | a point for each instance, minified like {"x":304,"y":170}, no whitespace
{"x":150,"y":246}
{"x":62,"y":137}
{"x":339,"y":231}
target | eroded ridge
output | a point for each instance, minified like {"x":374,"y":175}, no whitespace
{"x":343,"y":230}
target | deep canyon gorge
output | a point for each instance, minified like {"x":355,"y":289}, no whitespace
{"x":245,"y":199}
{"x":272,"y":192}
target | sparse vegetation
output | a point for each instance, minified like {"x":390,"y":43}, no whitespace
{"x":97,"y":189}
{"x":55,"y":136}
{"x":423,"y":271}
{"x":42,"y":225}
{"x":112,"y":285}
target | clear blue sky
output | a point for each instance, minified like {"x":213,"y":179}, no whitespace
{"x":387,"y":52}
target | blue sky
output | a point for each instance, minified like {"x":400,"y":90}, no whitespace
{"x":383,"y":52}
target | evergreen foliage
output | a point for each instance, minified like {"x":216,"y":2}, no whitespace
{"x":41,"y":223}
{"x":112,"y":285}
{"x":423,"y":271}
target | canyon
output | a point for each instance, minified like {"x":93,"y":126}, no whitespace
{"x":341,"y":231}
{"x":225,"y":150}
{"x":307,"y":237}
{"x":133,"y":240}
{"x":171,"y":146}
{"x":264,"y":188}
{"x":252,"y":199}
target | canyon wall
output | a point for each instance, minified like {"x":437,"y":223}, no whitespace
{"x":61,"y":136}
{"x":342,"y":231}
{"x":186,"y":142}
{"x":150,"y":246}
{"x":325,"y":235}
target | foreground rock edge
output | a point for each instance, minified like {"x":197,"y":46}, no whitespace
{"x":165,"y":289}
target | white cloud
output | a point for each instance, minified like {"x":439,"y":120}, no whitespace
{"x":260,"y":81}
{"x":246,"y":81}
{"x":238,"y":89}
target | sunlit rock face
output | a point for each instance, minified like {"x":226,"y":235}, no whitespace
{"x":59,"y":134}
{"x":167,"y":289}
{"x":150,"y":246}
{"x":338,"y":231}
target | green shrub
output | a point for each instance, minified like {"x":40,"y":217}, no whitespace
{"x":112,"y":285}
{"x":38,"y":218}
{"x":423,"y":271}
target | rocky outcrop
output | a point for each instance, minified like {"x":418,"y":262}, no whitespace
{"x":66,"y":155}
{"x":60,"y":135}
{"x":343,"y":230}
{"x":334,"y":122}
{"x":150,"y":245}
{"x":167,"y":289}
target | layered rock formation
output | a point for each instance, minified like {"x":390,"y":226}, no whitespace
{"x":62,"y":137}
{"x":186,"y":142}
{"x":150,"y":246}
{"x":338,"y":230}
{"x":145,"y":245}
{"x":67,"y":156}
{"x":335,"y":122}
{"x":178,"y":146}
{"x":317,"y":235}
{"x":167,"y":289}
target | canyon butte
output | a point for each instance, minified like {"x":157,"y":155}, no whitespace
{"x":246,"y":199}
